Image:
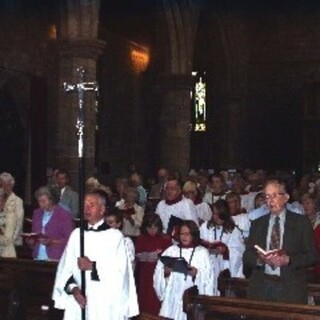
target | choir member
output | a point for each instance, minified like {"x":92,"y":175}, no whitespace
{"x":150,"y":244}
{"x":225,"y":243}
{"x":170,"y":282}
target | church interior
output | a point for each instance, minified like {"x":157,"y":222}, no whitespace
{"x":259,"y":61}
{"x":179,"y":84}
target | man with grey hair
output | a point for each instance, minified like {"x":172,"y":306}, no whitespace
{"x":110,"y":286}
{"x":279,"y":250}
{"x":13,"y":205}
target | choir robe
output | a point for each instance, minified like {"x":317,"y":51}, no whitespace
{"x":234,"y":241}
{"x":150,"y":245}
{"x":170,"y":290}
{"x":203,"y":211}
{"x":114,"y":296}
{"x":243,"y":223}
{"x":183,"y":209}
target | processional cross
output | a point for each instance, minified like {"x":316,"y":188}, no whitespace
{"x":80,"y":88}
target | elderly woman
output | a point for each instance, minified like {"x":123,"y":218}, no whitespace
{"x":13,"y":204}
{"x":51,"y":226}
{"x":8,"y":223}
{"x":132,"y":213}
{"x":191,"y":192}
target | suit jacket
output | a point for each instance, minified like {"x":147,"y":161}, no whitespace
{"x":298,"y":242}
{"x":14,"y":205}
{"x":59,"y":227}
{"x":70,"y":199}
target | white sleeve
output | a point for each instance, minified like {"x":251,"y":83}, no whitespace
{"x":191,"y":212}
{"x":236,"y":249}
{"x":159,"y":281}
{"x":64,"y":272}
{"x":204,"y":279}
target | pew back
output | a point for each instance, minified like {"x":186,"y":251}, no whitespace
{"x":25,"y":286}
{"x":199,"y":307}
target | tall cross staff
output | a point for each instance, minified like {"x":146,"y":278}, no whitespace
{"x":81,"y":87}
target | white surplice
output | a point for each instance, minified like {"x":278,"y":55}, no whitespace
{"x":243,"y":223}
{"x":170,"y":290}
{"x":234,"y":241}
{"x":184,"y":209}
{"x":114,"y":296}
{"x":204,"y":211}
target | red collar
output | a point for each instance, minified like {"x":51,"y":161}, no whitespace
{"x":129,"y":211}
{"x":191,"y":245}
{"x":176,"y":200}
{"x":197,"y":200}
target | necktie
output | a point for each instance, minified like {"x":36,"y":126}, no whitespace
{"x":275,"y":234}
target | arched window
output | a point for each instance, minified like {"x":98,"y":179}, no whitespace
{"x":199,"y":105}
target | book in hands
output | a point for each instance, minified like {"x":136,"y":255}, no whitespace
{"x":177,"y":264}
{"x":147,"y":256}
{"x":34,"y":235}
{"x":269,"y":252}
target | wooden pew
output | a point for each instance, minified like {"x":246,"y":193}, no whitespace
{"x":25,"y":286}
{"x":200,"y":307}
{"x":235,"y":287}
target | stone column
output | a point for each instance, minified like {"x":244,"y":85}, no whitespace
{"x":73,"y":54}
{"x":175,"y":117}
{"x":232,"y":135}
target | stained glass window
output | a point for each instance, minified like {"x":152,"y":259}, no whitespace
{"x":199,"y":102}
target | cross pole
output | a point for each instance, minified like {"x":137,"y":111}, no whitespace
{"x":80,"y":88}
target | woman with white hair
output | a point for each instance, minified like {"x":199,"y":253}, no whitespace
{"x":191,"y":192}
{"x":13,"y":204}
{"x":8,"y":222}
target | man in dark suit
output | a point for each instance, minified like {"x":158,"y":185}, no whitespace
{"x":279,"y":276}
{"x":69,"y":199}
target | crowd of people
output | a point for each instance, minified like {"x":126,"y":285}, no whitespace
{"x":159,"y":238}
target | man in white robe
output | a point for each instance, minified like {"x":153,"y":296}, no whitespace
{"x":175,"y":205}
{"x":110,"y":288}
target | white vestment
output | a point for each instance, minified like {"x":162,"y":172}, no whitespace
{"x":114,"y":296}
{"x":234,"y":241}
{"x":184,"y":209}
{"x":243,"y":223}
{"x":203,"y":211}
{"x":211,"y":198}
{"x":170,"y":290}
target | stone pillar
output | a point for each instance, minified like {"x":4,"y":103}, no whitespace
{"x":232,"y":135}
{"x":73,"y":54}
{"x":175,"y":118}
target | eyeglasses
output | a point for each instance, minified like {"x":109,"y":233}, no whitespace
{"x":273,"y":195}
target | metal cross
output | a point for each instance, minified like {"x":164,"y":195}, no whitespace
{"x":81,"y":87}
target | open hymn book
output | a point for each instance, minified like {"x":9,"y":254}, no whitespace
{"x":268,"y":252}
{"x":34,"y":235}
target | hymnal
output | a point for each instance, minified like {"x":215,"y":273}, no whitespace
{"x":34,"y":235}
{"x":176,"y":264}
{"x":267,"y":252}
